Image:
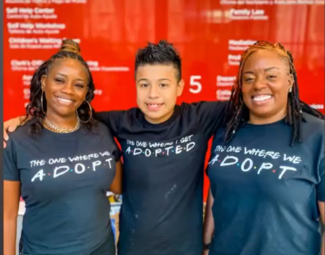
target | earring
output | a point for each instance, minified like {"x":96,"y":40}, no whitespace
{"x":42,"y":107}
{"x":91,"y":113}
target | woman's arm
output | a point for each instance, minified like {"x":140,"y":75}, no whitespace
{"x":116,"y":186}
{"x":11,"y":195}
{"x":208,"y":223}
{"x":321,"y":206}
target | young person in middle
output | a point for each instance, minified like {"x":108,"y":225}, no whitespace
{"x":164,"y":147}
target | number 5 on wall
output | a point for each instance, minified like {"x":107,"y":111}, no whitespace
{"x":195,"y":82}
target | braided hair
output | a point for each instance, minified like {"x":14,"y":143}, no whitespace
{"x":68,"y":50}
{"x":237,"y":112}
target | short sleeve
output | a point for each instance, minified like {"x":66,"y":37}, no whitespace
{"x":320,"y":188}
{"x":111,"y":119}
{"x":110,"y":141}
{"x":10,"y":169}
{"x":210,"y":115}
{"x":116,"y":151}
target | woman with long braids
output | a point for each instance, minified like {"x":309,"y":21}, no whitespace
{"x":267,"y":164}
{"x":62,"y":162}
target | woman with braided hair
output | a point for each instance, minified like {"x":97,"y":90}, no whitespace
{"x":267,"y":164}
{"x":62,"y":162}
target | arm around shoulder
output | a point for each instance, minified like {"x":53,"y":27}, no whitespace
{"x":211,"y":115}
{"x":111,"y":119}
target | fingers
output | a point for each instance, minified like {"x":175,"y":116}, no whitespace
{"x":12,"y":128}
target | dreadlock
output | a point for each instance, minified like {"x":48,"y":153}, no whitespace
{"x":37,"y":106}
{"x":237,"y":112}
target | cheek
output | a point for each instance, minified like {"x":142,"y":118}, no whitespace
{"x":47,"y":94}
{"x":280,"y":91}
{"x":140,"y":95}
{"x":245,"y":93}
{"x":81,"y":96}
{"x":169,"y":99}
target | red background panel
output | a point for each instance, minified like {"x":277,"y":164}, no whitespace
{"x":210,"y":35}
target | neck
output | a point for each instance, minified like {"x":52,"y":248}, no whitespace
{"x":261,"y":120}
{"x":160,"y":120}
{"x":68,"y":122}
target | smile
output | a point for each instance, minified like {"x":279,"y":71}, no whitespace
{"x":154,"y":107}
{"x":261,"y":98}
{"x":64,"y":101}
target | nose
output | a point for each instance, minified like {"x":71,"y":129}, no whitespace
{"x":153,"y":92}
{"x":68,"y":88}
{"x":259,"y":84}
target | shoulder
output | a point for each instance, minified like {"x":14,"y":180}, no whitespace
{"x":127,"y":114}
{"x":202,"y":107}
{"x":313,"y":119}
{"x":100,"y":129}
{"x":312,"y":132}
{"x":22,"y":131}
{"x":313,"y":124}
{"x":205,"y":104}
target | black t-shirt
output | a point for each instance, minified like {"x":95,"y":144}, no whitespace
{"x":266,"y":192}
{"x":64,"y":179}
{"x":163,"y":174}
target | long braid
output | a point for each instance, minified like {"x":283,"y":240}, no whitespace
{"x":237,"y":112}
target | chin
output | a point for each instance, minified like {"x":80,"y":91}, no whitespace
{"x":66,"y":114}
{"x":155,"y":118}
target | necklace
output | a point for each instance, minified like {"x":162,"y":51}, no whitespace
{"x":48,"y":124}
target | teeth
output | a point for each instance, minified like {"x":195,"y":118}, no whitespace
{"x":262,"y":98}
{"x":65,"y":100}
{"x":153,"y":105}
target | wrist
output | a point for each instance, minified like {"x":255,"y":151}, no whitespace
{"x":206,"y":246}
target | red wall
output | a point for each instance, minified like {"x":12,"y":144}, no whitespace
{"x":209,"y":34}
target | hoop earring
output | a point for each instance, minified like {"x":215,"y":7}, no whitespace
{"x":42,"y":95}
{"x":91,"y":113}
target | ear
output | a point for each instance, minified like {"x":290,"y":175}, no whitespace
{"x":291,"y":81}
{"x":180,"y":87}
{"x":43,"y":81}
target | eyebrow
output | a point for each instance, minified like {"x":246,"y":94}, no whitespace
{"x":270,"y":68}
{"x":265,"y":70}
{"x":162,"y":79}
{"x":64,"y":75}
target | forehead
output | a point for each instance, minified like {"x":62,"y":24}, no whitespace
{"x":263,"y":59}
{"x":156,"y":72}
{"x":68,"y":67}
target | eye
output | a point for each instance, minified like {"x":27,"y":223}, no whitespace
{"x":144,"y":85}
{"x":59,"y":80}
{"x":163,"y":85}
{"x":271,"y":77}
{"x":248,"y":79}
{"x":80,"y":86}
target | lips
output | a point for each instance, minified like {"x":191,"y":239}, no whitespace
{"x":153,"y":106}
{"x":261,"y":98}
{"x":64,"y":101}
